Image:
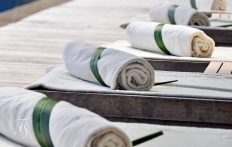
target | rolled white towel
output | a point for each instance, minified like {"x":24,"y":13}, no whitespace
{"x":69,"y":126}
{"x":172,"y":39}
{"x":205,"y":5}
{"x":170,"y":14}
{"x":116,"y":69}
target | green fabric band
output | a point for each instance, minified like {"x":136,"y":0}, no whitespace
{"x":171,"y":14}
{"x":193,"y":4}
{"x":41,"y":117}
{"x":93,"y":64}
{"x":159,"y":39}
{"x":225,"y":26}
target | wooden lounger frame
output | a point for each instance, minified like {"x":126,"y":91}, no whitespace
{"x":191,"y":66}
{"x":182,"y":111}
{"x":188,"y":111}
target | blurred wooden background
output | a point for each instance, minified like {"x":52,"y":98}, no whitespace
{"x":27,"y":47}
{"x":17,"y":13}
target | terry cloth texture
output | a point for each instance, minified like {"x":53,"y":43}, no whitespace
{"x":221,"y":54}
{"x":179,"y":136}
{"x":179,"y":40}
{"x":229,"y":5}
{"x":118,"y":69}
{"x":196,"y":85}
{"x":220,"y":5}
{"x":167,"y":13}
{"x":69,"y":126}
{"x":5,"y":142}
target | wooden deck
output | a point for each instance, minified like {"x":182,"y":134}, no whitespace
{"x":29,"y":46}
{"x":20,"y":12}
{"x":32,"y":44}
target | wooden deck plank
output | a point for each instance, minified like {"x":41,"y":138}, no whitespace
{"x":39,"y":39}
{"x":32,"y":44}
{"x":29,"y":46}
{"x":152,"y":109}
{"x":17,"y":13}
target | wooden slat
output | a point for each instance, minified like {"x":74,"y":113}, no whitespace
{"x":178,"y":65}
{"x":30,"y":45}
{"x":152,"y":109}
{"x":20,"y":12}
{"x":219,"y":67}
{"x":38,"y":41}
{"x":226,"y":68}
{"x":213,"y":67}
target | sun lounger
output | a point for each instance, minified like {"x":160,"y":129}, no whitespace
{"x":196,"y":99}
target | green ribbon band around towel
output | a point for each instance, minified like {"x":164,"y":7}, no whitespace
{"x":159,"y":39}
{"x":41,"y":117}
{"x":193,"y":4}
{"x":171,"y":14}
{"x":93,"y":64}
